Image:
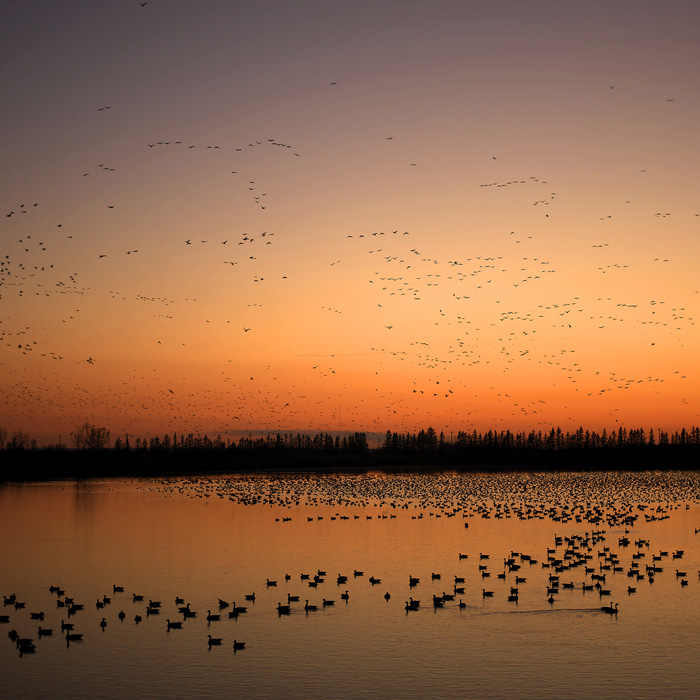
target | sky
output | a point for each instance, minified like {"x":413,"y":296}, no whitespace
{"x":231,"y":218}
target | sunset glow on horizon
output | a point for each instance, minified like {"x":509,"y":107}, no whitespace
{"x":349,"y":217}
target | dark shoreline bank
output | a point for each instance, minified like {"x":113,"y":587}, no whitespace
{"x":47,"y":464}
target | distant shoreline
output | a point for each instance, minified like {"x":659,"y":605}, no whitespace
{"x":49,"y":464}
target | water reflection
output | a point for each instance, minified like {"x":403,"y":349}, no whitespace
{"x":539,"y":555}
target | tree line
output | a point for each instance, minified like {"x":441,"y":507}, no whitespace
{"x":355,"y":442}
{"x":554,"y":439}
{"x":88,"y":436}
{"x":90,"y":454}
{"x":92,"y":437}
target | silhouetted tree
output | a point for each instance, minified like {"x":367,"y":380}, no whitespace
{"x":90,"y":437}
{"x":19,"y":441}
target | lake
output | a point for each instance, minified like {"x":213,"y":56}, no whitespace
{"x":209,"y":539}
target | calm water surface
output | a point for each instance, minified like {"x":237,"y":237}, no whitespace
{"x":207,"y":539}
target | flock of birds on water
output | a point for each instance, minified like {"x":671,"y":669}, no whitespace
{"x":600,"y":560}
{"x":598,"y":566}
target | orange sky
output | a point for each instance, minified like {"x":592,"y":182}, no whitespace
{"x":462,"y":215}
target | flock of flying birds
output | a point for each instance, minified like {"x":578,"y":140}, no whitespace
{"x":488,"y":310}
